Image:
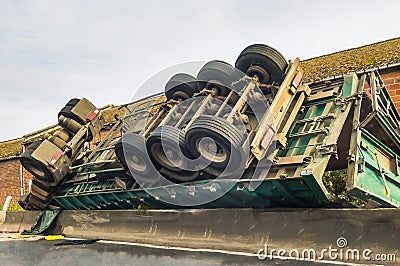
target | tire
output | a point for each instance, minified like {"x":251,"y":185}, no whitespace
{"x":73,"y":102}
{"x":181,"y":177}
{"x":264,"y":61}
{"x":132,"y":153}
{"x":35,"y":167}
{"x":180,"y":86}
{"x":228,"y":142}
{"x":66,"y":111}
{"x":43,"y":185}
{"x":30,"y":202}
{"x":58,"y":142}
{"x":172,"y":140}
{"x":69,"y":125}
{"x":216,"y":74}
{"x":119,"y":151}
{"x":62,"y":134}
{"x":73,"y":127}
{"x":41,"y":191}
{"x":37,"y":204}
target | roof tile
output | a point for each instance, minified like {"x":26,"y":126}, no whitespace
{"x":355,"y":59}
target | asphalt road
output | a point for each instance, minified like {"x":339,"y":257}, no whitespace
{"x":42,"y":252}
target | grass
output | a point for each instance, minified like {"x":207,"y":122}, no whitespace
{"x":13,"y":207}
{"x":335,"y":183}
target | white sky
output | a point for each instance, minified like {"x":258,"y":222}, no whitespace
{"x":51,"y":51}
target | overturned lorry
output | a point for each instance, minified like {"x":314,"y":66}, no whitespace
{"x":249,"y":136}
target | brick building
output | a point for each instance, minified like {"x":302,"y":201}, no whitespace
{"x":384,"y":56}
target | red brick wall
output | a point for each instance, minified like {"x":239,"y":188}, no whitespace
{"x":391,"y":78}
{"x":27,"y":177}
{"x":100,"y":137}
{"x":10,"y":180}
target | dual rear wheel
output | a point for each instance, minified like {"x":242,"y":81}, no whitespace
{"x":209,"y":139}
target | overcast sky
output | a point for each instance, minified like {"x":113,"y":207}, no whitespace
{"x":51,"y":51}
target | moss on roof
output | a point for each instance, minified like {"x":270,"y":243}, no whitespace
{"x":10,"y":149}
{"x":40,"y":134}
{"x":356,"y":59}
{"x":109,"y":113}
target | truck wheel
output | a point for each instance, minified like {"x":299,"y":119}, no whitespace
{"x":263,"y":61}
{"x":41,"y":191}
{"x":119,"y":151}
{"x":180,"y":86}
{"x":73,"y":126}
{"x":73,"y":102}
{"x":187,"y":176}
{"x":216,"y":74}
{"x":166,"y":146}
{"x":58,"y":142}
{"x":69,"y":125}
{"x":66,"y":111}
{"x":62,"y":134}
{"x":37,"y":204}
{"x":181,"y":177}
{"x":35,"y":167}
{"x":216,"y":141}
{"x":30,"y":202}
{"x":131,"y":151}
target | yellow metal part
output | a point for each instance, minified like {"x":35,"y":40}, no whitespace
{"x":282,"y":108}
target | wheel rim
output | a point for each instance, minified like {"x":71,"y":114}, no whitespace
{"x":216,"y":85}
{"x":180,"y":85}
{"x":211,"y":150}
{"x":260,"y":72}
{"x":136,"y":162}
{"x":34,"y":170}
{"x":166,"y":156}
{"x":180,"y":95}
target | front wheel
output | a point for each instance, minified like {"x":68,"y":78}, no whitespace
{"x":35,"y":167}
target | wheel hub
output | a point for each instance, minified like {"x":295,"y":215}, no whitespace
{"x":258,"y":71}
{"x":211,"y":150}
{"x":138,"y":164}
